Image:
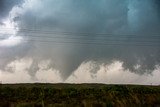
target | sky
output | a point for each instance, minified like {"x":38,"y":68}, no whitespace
{"x":104,"y":41}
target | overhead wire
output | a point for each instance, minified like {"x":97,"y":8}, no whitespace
{"x":80,"y":33}
{"x":108,"y":39}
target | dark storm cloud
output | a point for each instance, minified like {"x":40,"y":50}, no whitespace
{"x":157,"y":3}
{"x":6,"y":6}
{"x":74,"y":16}
{"x":117,"y":17}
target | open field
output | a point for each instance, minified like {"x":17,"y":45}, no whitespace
{"x":78,"y":95}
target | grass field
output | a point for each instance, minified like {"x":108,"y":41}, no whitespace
{"x":78,"y":95}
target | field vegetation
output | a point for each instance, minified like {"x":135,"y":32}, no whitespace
{"x":78,"y":95}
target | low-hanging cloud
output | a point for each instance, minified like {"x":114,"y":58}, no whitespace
{"x":95,"y":72}
{"x":113,"y":73}
{"x":85,"y":23}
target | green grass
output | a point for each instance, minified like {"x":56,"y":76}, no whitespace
{"x":78,"y":95}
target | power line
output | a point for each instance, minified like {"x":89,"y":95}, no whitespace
{"x":91,"y":39}
{"x":122,"y":41}
{"x":87,"y":37}
{"x":91,"y":43}
{"x":108,"y":39}
{"x":38,"y":31}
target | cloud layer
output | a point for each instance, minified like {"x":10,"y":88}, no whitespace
{"x":68,"y":33}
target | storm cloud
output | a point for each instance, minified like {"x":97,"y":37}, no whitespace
{"x":6,"y":6}
{"x":69,"y":33}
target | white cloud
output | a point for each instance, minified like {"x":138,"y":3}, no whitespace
{"x":48,"y":76}
{"x":11,"y":41}
{"x":19,"y":74}
{"x":8,"y":34}
{"x":8,"y":27}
